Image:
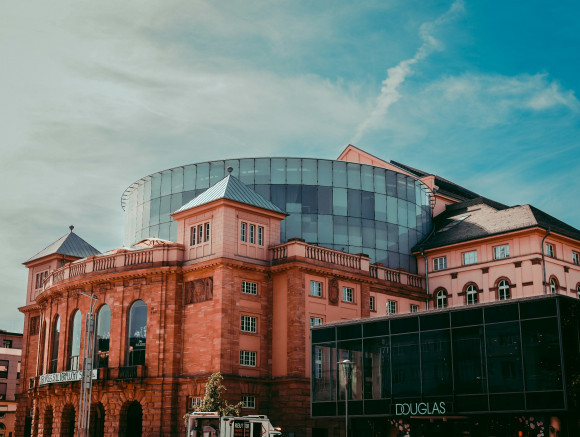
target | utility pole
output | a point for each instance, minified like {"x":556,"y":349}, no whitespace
{"x":87,"y":371}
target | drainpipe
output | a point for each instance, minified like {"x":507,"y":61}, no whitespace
{"x":544,"y":259}
{"x":426,"y":276}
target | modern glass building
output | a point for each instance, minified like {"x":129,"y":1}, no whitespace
{"x":495,"y":369}
{"x":346,"y":206}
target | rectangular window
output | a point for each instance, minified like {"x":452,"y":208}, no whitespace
{"x":249,"y":287}
{"x":440,"y":263}
{"x":193,"y":231}
{"x":207,"y":233}
{"x":470,"y":257}
{"x":252,"y":233}
{"x":575,"y":258}
{"x":315,"y":321}
{"x":316,"y":288}
{"x":318,"y":363}
{"x":18,"y":370}
{"x":248,"y":358}
{"x":550,"y":250}
{"x":249,"y":324}
{"x":199,"y":234}
{"x":7,"y":343}
{"x":260,"y":235}
{"x":3,"y":387}
{"x":249,"y":402}
{"x":40,"y":277}
{"x":414,"y":308}
{"x":372,"y":304}
{"x":194,"y":402}
{"x":243,"y":228}
{"x":391,"y":307}
{"x":347,"y":294}
{"x":501,"y":252}
{"x":4,"y":368}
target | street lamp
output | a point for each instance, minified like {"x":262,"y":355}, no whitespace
{"x":347,"y":366}
{"x":87,"y":372}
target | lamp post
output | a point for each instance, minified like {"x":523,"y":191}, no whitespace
{"x":87,"y":372}
{"x":347,"y":366}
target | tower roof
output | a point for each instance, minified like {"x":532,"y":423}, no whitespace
{"x":231,"y":188}
{"x":70,"y":244}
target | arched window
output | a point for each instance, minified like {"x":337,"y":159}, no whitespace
{"x":74,"y":342}
{"x":137,"y":334}
{"x":471,"y":294}
{"x":103,"y":337}
{"x":503,"y":290}
{"x":553,"y":286}
{"x":54,"y":349}
{"x":441,"y":299}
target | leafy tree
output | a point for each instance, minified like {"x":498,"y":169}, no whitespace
{"x":212,"y":400}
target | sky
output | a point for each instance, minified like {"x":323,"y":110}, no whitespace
{"x":95,"y":95}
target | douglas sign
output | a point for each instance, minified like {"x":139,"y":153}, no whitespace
{"x":420,"y":409}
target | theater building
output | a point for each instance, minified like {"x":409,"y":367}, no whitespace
{"x":227,"y":265}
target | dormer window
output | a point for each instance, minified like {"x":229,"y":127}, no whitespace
{"x":200,"y":234}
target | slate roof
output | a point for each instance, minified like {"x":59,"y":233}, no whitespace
{"x":481,"y":217}
{"x":70,"y":244}
{"x":231,"y":188}
{"x":446,"y":187}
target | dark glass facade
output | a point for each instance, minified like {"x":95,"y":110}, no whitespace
{"x":510,"y":359}
{"x":336,"y":204}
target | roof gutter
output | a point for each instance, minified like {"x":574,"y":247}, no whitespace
{"x":544,"y":259}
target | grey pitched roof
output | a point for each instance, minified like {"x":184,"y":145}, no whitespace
{"x":231,"y":188}
{"x":480,"y":218}
{"x":70,"y":244}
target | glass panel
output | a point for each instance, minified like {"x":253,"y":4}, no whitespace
{"x":293,"y":175}
{"x":436,"y":363}
{"x":164,"y":231}
{"x":353,"y":177}
{"x":380,"y":185}
{"x":325,"y":229}
{"x":309,"y":199}
{"x":262,"y":171}
{"x":366,"y":175}
{"x":368,"y":231}
{"x":75,"y":341}
{"x":189,"y":176}
{"x":325,"y":173}
{"x":354,"y":232}
{"x":411,"y":217}
{"x":278,"y":196}
{"x":202,"y":176}
{"x":393,"y":239}
{"x":339,"y":201}
{"x":381,"y":207}
{"x":381,"y":236}
{"x":55,"y":341}
{"x":278,"y":166}
{"x":309,"y":173}
{"x":402,"y":213}
{"x":402,"y":186}
{"x":391,"y":183}
{"x":405,"y":361}
{"x":541,"y":346}
{"x":354,"y":203}
{"x":264,"y":191}
{"x":173,"y":230}
{"x":246,"y":171}
{"x":216,"y":172}
{"x":309,"y":228}
{"x":392,"y":210}
{"x":137,"y":334}
{"x":368,"y":205}
{"x":293,"y":198}
{"x":324,"y":200}
{"x":504,"y":364}
{"x":340,"y":231}
{"x":351,"y":350}
{"x":293,"y":226}
{"x":166,"y":182}
{"x":154,"y":211}
{"x":146,"y":215}
{"x":377,"y":368}
{"x":403,"y":240}
{"x":339,"y":174}
{"x":410,"y":189}
{"x":165,"y":209}
{"x":177,"y":180}
{"x":103,"y":337}
{"x":155,"y":185}
{"x":468,"y":348}
{"x":323,"y":372}
{"x":175,"y":202}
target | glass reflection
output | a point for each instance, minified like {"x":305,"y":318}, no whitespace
{"x":137,"y":334}
{"x":103,"y":337}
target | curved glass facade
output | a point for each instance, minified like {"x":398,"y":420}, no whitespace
{"x":341,"y":205}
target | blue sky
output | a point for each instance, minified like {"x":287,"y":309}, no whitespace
{"x":96,"y":95}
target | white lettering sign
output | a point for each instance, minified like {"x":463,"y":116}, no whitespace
{"x":420,"y":409}
{"x":68,"y":376}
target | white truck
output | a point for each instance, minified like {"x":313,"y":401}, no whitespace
{"x":212,"y":425}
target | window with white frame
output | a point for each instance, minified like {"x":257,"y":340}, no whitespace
{"x":414,"y":308}
{"x":40,"y":277}
{"x":440,"y":263}
{"x":199,"y":234}
{"x":248,"y":358}
{"x":252,"y":237}
{"x":471,"y":295}
{"x":553,"y":286}
{"x":249,"y":324}
{"x":195,"y":402}
{"x":549,"y":250}
{"x":243,"y":231}
{"x":249,"y":402}
{"x":441,"y":299}
{"x":503,"y":290}
{"x":348,"y":294}
{"x":576,"y":258}
{"x":260,"y":236}
{"x":469,"y":257}
{"x":249,"y":287}
{"x":501,"y":252}
{"x":392,"y":307}
{"x":251,"y":233}
{"x":318,"y":363}
{"x":315,"y":321}
{"x":316,"y":288}
{"x":372,"y":304}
